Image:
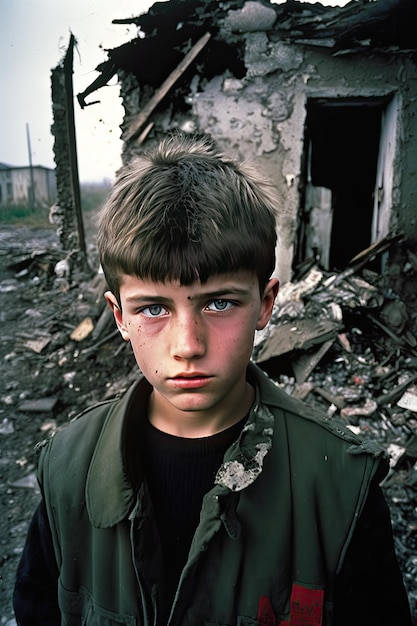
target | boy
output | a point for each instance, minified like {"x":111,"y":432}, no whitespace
{"x":205,"y":496}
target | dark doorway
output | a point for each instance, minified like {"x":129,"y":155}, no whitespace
{"x":342,"y":141}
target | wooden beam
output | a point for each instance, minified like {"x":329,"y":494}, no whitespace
{"x":165,"y":87}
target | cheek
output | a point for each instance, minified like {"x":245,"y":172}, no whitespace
{"x":149,"y":362}
{"x":239,"y":336}
{"x":136,"y":337}
{"x":147,"y":346}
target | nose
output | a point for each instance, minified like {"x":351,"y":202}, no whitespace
{"x":188,"y":340}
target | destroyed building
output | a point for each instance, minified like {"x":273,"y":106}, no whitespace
{"x":322,"y":99}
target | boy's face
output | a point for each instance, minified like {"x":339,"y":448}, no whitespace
{"x":193,"y":343}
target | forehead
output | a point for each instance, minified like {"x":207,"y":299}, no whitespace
{"x":233,"y":283}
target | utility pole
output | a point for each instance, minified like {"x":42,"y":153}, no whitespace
{"x":32,"y":179}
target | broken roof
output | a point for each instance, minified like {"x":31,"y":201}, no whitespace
{"x":386,"y":26}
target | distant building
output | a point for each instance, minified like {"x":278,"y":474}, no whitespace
{"x":27,"y":186}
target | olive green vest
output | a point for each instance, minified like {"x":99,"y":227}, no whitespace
{"x":272,"y":535}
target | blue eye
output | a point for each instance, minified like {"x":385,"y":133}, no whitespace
{"x":219,"y":305}
{"x":155,"y":310}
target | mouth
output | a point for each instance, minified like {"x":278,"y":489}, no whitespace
{"x":190,"y":381}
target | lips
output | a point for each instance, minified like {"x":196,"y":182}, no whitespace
{"x":190,"y":381}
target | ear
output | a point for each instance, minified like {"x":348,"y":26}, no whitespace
{"x":267,"y":303}
{"x":118,"y":315}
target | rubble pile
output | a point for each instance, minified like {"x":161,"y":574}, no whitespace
{"x":344,"y":342}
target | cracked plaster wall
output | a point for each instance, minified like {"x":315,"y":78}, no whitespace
{"x":262,"y":117}
{"x":259,"y":119}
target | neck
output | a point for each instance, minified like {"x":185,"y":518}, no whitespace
{"x":194,"y":424}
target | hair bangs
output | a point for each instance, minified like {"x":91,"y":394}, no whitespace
{"x":188,"y":259}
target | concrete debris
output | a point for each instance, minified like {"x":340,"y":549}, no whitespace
{"x":408,"y":400}
{"x":27,"y":482}
{"x":369,"y":408}
{"x":6,"y":427}
{"x":37,"y":345}
{"x":251,"y":18}
{"x":39,"y":405}
{"x":84,"y":328}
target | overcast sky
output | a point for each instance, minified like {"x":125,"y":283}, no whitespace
{"x":34,"y":36}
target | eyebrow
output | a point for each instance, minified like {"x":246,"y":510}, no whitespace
{"x":221,"y":293}
{"x":209,"y":295}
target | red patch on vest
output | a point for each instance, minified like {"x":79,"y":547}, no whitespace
{"x":306,"y":606}
{"x":266,"y":615}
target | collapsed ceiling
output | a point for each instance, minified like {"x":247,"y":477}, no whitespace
{"x":360,"y":26}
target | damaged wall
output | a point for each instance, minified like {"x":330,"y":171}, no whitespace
{"x":66,"y":212}
{"x":317,"y":97}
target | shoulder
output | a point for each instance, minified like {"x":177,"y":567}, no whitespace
{"x":73,"y":445}
{"x":65,"y":458}
{"x":304,"y":423}
{"x":82,"y":430}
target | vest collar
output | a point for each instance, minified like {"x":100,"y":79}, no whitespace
{"x":109,"y":493}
